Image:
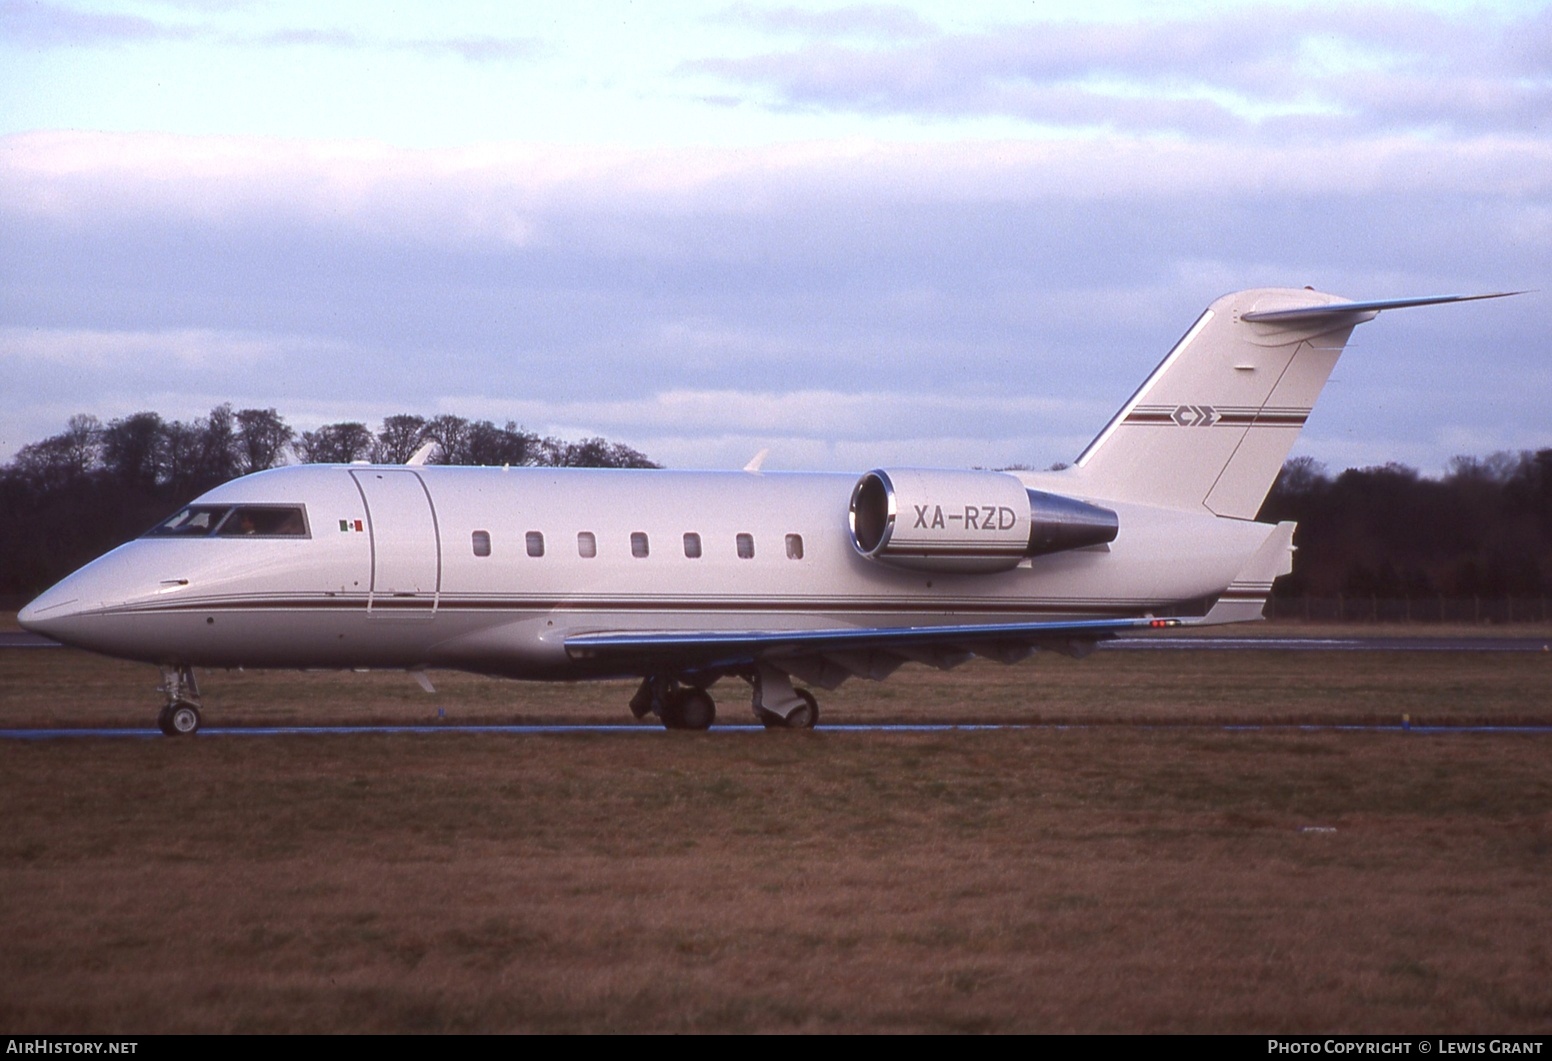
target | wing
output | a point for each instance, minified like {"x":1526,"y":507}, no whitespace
{"x":828,"y":657}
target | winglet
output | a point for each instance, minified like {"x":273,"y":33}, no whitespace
{"x":753,"y":467}
{"x":422,"y":455}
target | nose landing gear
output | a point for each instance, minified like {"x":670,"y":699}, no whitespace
{"x":180,"y":717}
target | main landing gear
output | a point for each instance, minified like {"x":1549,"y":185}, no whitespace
{"x":776,"y":703}
{"x":180,"y":716}
{"x":679,"y":706}
{"x":804,"y":716}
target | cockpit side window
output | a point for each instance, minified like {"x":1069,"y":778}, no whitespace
{"x":264,"y":521}
{"x":259,"y":521}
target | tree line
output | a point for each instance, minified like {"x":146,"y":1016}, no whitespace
{"x":1483,"y":529}
{"x":77,"y":494}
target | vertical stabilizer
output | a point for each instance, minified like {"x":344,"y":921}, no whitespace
{"x":1213,"y":424}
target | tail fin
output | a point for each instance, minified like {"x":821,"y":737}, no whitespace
{"x":1211,"y":427}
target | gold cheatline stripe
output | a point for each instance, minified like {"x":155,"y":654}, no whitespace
{"x":918,"y":606}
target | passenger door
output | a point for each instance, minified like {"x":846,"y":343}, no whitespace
{"x":406,"y":546}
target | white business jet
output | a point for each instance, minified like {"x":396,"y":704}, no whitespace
{"x":681,"y":578}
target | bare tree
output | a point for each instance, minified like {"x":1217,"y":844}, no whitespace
{"x":262,"y":438}
{"x":81,"y":443}
{"x":601,"y":453}
{"x":336,"y":444}
{"x":132,"y":450}
{"x":399,"y":438}
{"x":452,"y":435}
{"x":64,"y":458}
{"x":492,"y":445}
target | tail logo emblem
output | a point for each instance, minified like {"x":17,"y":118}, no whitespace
{"x":1195,"y":415}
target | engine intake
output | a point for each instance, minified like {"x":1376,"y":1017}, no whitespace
{"x":967,"y":521}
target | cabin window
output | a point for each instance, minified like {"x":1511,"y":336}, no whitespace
{"x":481,"y":542}
{"x":692,"y":545}
{"x":794,"y":547}
{"x":587,"y":545}
{"x":746,"y":546}
{"x":535,"y":543}
{"x":638,"y":544}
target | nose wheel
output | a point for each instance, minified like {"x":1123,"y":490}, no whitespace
{"x":180,"y":717}
{"x":178,"y":720}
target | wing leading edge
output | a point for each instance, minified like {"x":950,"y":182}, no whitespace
{"x":829,"y":657}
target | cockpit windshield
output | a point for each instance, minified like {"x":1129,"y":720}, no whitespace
{"x":196,"y":521}
{"x":233,"y":521}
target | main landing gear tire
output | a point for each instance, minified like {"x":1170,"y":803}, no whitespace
{"x":689,"y":709}
{"x":805,"y":716}
{"x":178,"y":720}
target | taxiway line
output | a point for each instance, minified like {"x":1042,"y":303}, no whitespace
{"x":844,"y":727}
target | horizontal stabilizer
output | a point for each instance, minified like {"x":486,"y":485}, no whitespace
{"x":1342,"y":309}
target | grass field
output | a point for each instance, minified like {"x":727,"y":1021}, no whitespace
{"x":1163,"y":877}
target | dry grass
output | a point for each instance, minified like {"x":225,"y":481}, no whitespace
{"x":1104,"y":878}
{"x":61,"y":687}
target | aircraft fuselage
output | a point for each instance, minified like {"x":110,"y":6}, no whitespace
{"x":491,"y":569}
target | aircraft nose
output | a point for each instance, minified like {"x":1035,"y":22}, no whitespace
{"x":51,"y":613}
{"x":68,"y":610}
{"x":87,"y":609}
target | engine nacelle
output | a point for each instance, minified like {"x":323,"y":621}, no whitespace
{"x":967,"y":521}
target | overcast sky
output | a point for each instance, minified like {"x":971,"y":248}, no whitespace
{"x":855,"y":234}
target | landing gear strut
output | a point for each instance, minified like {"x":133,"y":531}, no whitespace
{"x":778,"y":705}
{"x":180,"y":716}
{"x":680,"y":707}
{"x":804,"y":716}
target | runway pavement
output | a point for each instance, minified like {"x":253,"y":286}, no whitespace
{"x":1330,"y":644}
{"x":23,"y":639}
